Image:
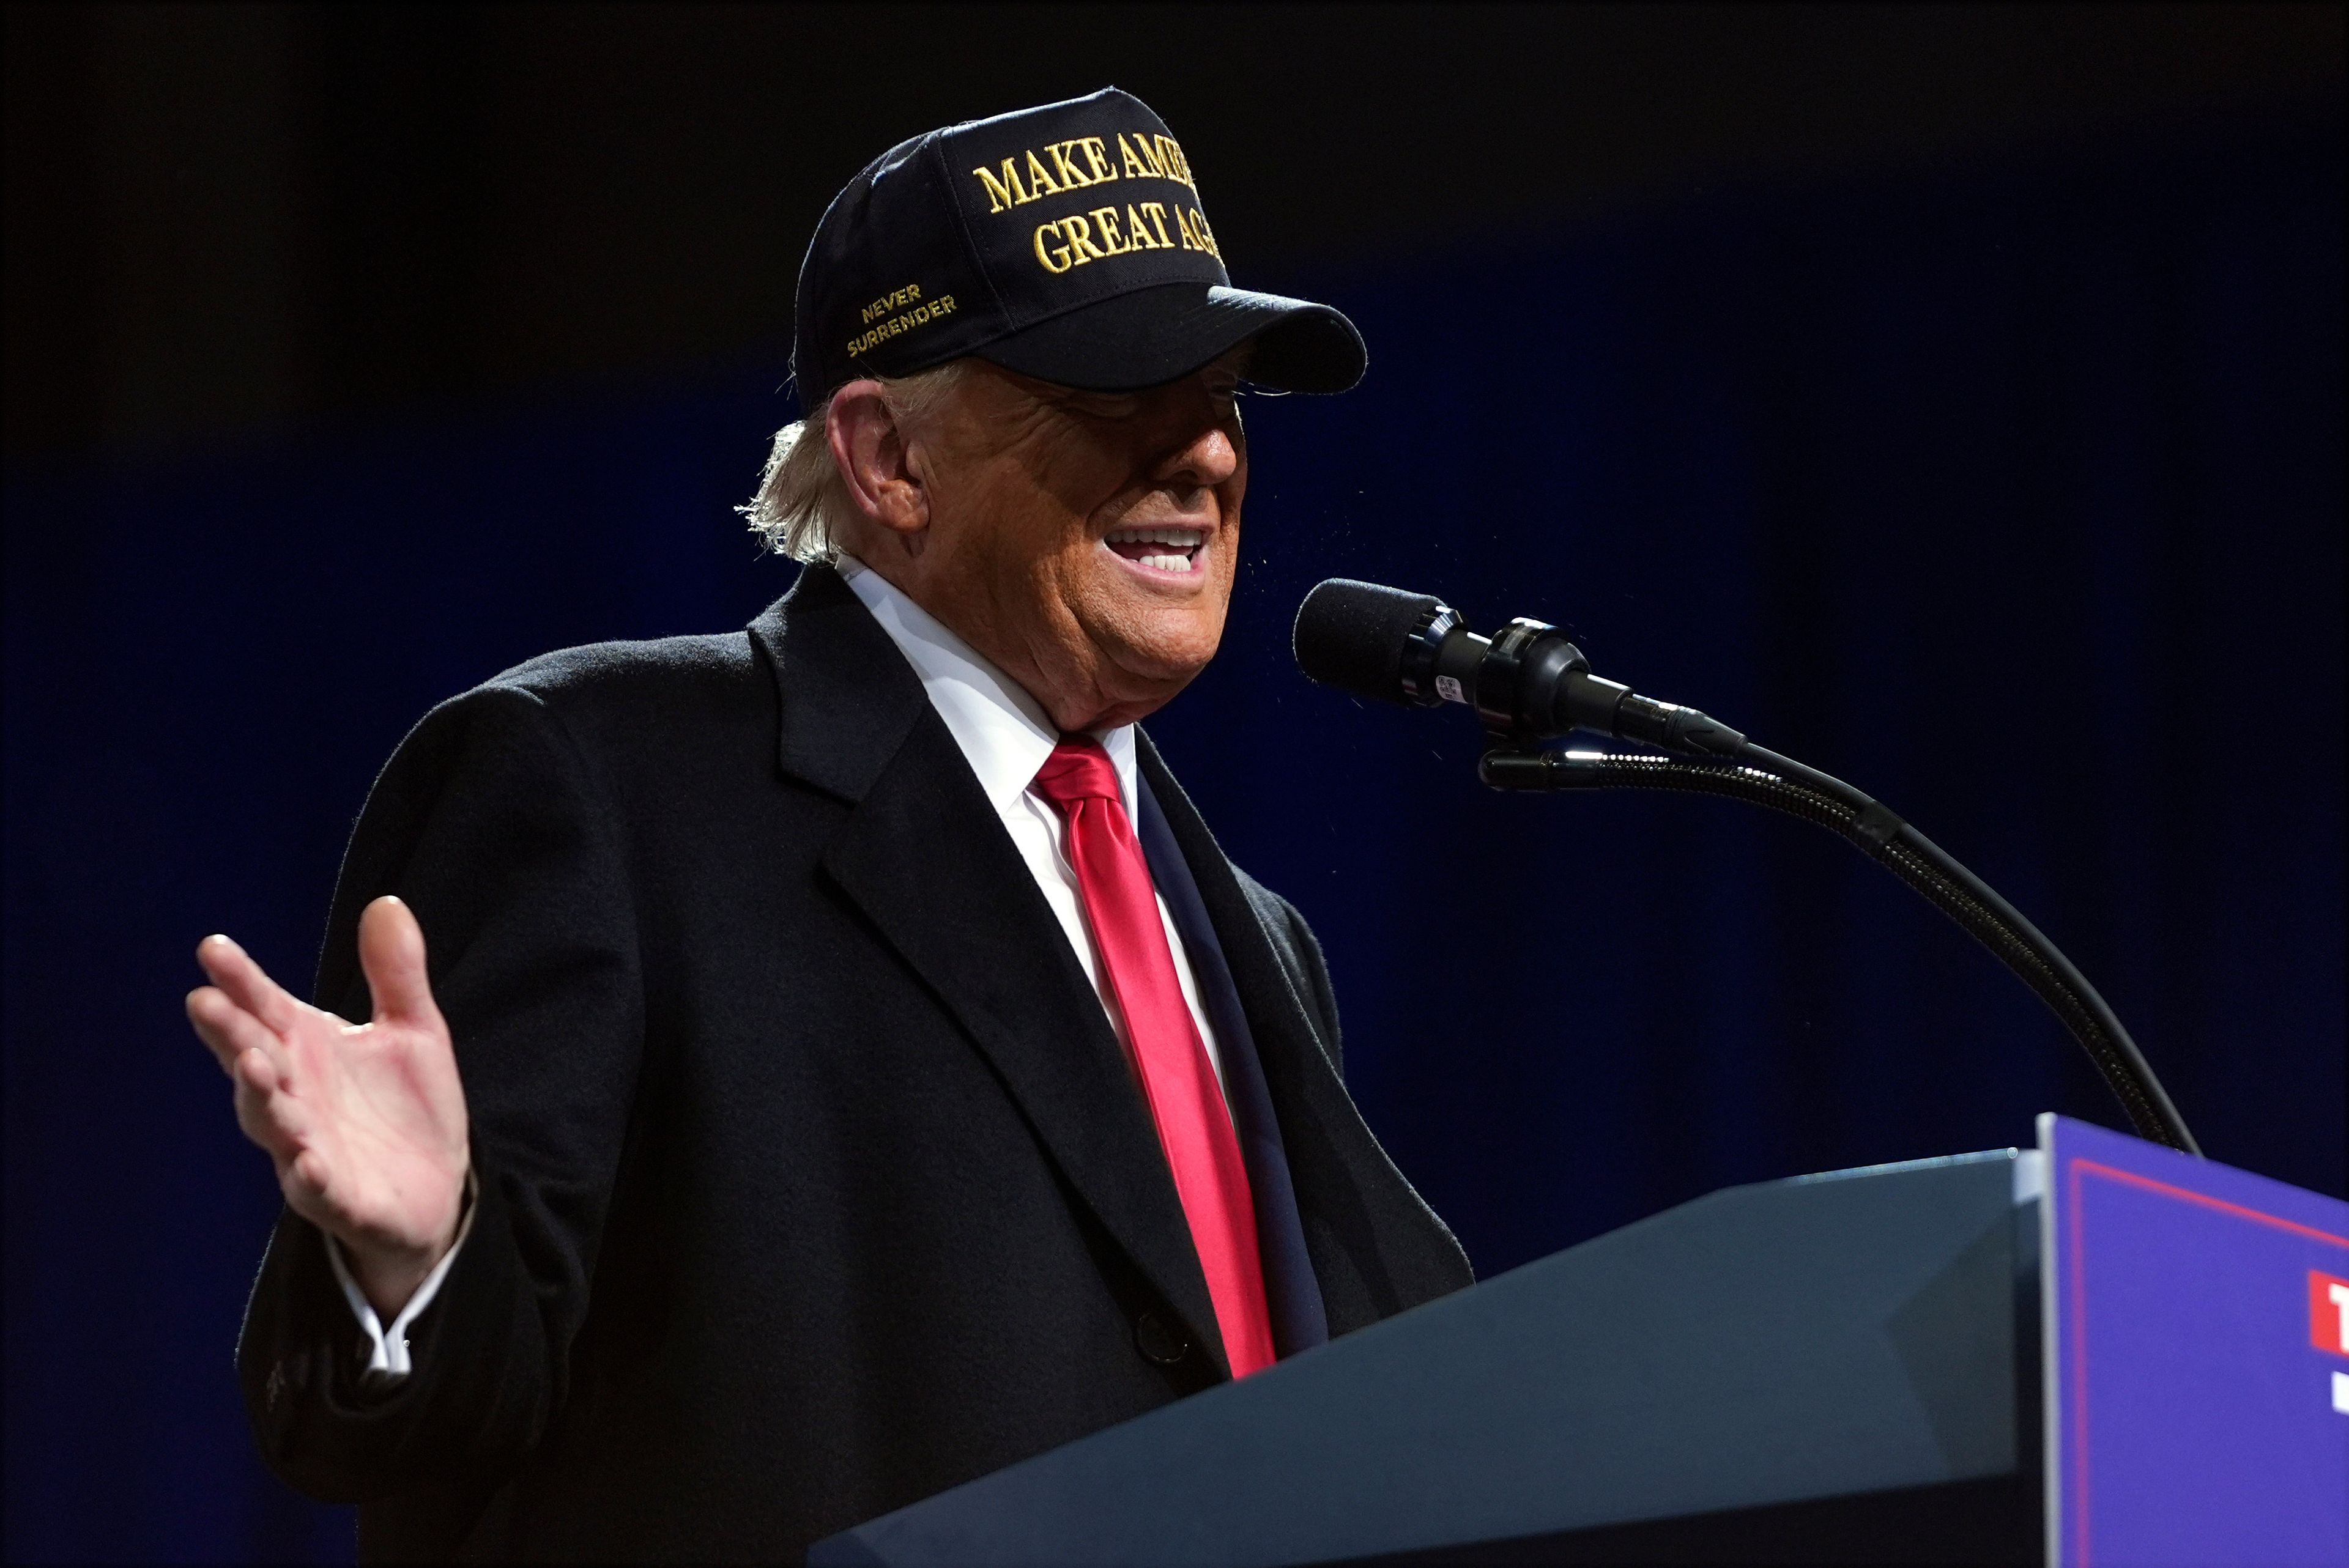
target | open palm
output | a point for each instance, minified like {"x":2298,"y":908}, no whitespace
{"x":364,"y":1122}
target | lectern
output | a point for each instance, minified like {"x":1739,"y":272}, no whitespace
{"x":2097,"y":1351}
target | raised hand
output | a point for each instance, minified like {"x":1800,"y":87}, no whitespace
{"x":364,"y":1122}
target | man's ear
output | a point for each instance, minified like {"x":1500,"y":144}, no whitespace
{"x":870,"y":452}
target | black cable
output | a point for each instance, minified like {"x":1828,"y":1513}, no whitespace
{"x":1763,"y":777}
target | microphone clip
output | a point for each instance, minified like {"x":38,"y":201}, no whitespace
{"x":1518,"y":680}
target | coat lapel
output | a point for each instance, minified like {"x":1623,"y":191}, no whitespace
{"x":1376,"y":1245}
{"x":924,"y":857}
{"x":1292,"y":1292}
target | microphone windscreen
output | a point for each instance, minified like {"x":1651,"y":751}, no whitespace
{"x":1352,"y":635}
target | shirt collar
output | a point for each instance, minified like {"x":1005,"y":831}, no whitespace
{"x":1004,"y":732}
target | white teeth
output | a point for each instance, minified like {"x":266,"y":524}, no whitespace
{"x":1181,"y":538}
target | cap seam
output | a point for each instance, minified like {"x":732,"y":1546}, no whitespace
{"x":969,"y":242}
{"x":1071,"y":309}
{"x":1176,"y":283}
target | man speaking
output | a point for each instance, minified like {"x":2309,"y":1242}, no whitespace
{"x":813,"y":1066}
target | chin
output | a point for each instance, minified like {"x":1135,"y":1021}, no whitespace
{"x":1160,"y":650}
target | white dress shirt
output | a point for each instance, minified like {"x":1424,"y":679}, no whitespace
{"x":1006,"y":737}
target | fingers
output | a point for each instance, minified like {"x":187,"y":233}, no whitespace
{"x":275,"y":1120}
{"x":270,"y":1115}
{"x":233,"y":970}
{"x":391,"y":951}
{"x":229,"y":1030}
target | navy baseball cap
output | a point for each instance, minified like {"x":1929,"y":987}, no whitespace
{"x":1065,"y":243}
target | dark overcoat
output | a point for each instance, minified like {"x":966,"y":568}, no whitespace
{"x":811,"y":1178}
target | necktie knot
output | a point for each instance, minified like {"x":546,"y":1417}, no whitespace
{"x":1078,"y":769}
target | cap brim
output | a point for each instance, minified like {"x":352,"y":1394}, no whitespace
{"x":1154,"y":335}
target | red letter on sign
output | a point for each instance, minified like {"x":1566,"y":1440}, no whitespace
{"x":2328,"y":1312}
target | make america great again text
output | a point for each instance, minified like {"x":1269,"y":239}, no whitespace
{"x":1082,"y":163}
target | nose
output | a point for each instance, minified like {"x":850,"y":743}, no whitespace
{"x":1206,"y":460}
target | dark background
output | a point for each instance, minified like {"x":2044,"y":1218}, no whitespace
{"x":1950,"y":396}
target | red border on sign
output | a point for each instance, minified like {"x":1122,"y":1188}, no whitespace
{"x":2077,"y":1302}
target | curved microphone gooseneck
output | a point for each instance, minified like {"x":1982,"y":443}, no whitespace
{"x":1528,"y":683}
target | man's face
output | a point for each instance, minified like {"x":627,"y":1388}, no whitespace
{"x":1084,"y":542}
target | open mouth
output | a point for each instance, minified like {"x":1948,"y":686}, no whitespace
{"x":1160,"y":549}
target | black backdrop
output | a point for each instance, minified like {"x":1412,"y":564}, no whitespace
{"x":2012,"y":493}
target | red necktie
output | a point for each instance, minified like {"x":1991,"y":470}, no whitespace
{"x":1186,"y":1101}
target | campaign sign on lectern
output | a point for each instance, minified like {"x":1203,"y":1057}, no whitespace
{"x":2197,"y":1392}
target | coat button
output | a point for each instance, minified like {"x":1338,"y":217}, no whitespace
{"x":1158,"y":1341}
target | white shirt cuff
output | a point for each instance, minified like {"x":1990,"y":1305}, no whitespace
{"x":387,"y":1347}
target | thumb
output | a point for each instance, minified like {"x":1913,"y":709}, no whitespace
{"x":391,"y":952}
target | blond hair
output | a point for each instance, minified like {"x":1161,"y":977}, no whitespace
{"x":802,"y":508}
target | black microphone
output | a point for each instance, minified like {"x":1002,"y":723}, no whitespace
{"x":1527,"y":682}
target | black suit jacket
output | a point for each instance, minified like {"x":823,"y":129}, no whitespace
{"x":812,"y":1179}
